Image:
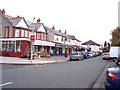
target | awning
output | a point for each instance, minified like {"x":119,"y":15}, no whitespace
{"x":43,"y":43}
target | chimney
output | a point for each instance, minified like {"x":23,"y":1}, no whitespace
{"x":38,"y":21}
{"x":0,"y":11}
{"x":3,"y":11}
{"x":65,"y":31}
{"x":53,"y":27}
{"x":18,"y":16}
{"x":59,"y":30}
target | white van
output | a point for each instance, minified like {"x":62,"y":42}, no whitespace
{"x":114,"y":52}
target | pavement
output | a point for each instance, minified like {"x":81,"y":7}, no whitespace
{"x":26,"y":61}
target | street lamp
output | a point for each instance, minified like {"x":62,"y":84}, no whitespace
{"x":32,"y":40}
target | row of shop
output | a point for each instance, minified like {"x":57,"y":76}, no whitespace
{"x":18,"y":48}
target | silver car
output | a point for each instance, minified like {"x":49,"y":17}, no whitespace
{"x":76,"y":56}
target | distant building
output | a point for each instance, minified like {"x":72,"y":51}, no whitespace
{"x":91,"y":45}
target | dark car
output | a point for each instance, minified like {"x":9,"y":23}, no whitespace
{"x":106,"y":56}
{"x":112,"y":81}
{"x":85,"y":55}
{"x":76,"y":56}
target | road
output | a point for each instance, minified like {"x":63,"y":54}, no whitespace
{"x":71,"y":74}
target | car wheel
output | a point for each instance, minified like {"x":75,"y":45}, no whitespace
{"x":114,"y":60}
{"x":117,"y":63}
{"x":79,"y":59}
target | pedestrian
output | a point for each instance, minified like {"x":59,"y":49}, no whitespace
{"x":66,"y":53}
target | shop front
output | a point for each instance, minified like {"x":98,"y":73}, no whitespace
{"x":15,"y":47}
{"x":42,"y":48}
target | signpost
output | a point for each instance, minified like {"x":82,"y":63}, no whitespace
{"x":32,"y":39}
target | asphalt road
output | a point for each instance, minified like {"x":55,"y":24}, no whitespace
{"x":71,"y":74}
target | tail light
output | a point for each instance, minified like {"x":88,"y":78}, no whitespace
{"x":111,"y":76}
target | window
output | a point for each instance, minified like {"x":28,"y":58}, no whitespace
{"x":62,"y":39}
{"x":17,"y":31}
{"x":6,"y":34}
{"x":38,"y":36}
{"x":66,"y":39}
{"x":44,"y":37}
{"x":41,"y":36}
{"x":22,"y":33}
{"x":26,"y":33}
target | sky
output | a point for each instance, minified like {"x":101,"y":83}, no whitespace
{"x":86,"y":19}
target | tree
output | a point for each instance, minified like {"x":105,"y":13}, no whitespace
{"x":106,"y":47}
{"x":115,"y":41}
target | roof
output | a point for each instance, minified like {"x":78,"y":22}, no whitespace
{"x":73,"y":38}
{"x":56,"y":32}
{"x":36,"y":25}
{"x":16,"y":20}
{"x":90,"y":42}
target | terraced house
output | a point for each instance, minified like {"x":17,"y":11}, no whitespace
{"x":16,"y":32}
{"x":62,"y":41}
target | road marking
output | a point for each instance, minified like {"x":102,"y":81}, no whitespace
{"x":5,"y":84}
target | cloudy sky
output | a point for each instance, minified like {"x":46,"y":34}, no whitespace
{"x":86,"y":19}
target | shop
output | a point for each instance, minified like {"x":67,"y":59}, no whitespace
{"x":15,"y":47}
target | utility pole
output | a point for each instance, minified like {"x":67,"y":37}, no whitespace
{"x":32,"y":38}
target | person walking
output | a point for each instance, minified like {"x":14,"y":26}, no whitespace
{"x":66,"y":53}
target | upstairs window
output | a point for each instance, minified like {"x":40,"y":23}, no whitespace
{"x":41,"y":36}
{"x":62,"y":39}
{"x":26,"y":33}
{"x":38,"y":36}
{"x":44,"y":37}
{"x":22,"y":33}
{"x":17,"y":31}
{"x":6,"y":33}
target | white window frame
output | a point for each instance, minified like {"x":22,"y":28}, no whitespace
{"x":17,"y":32}
{"x":22,"y":33}
{"x":26,"y":33}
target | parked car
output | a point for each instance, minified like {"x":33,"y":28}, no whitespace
{"x":85,"y":55}
{"x":76,"y":56}
{"x":106,"y":56}
{"x":91,"y":54}
{"x":112,"y":81}
{"x":118,"y":60}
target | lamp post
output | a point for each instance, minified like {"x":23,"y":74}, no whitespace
{"x":32,"y":38}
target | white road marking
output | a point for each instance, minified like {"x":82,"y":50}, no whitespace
{"x":5,"y":84}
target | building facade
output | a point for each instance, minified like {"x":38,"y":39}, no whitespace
{"x":16,"y":32}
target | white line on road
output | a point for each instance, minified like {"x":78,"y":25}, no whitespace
{"x":5,"y":84}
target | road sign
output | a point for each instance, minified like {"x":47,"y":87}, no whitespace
{"x":32,"y":38}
